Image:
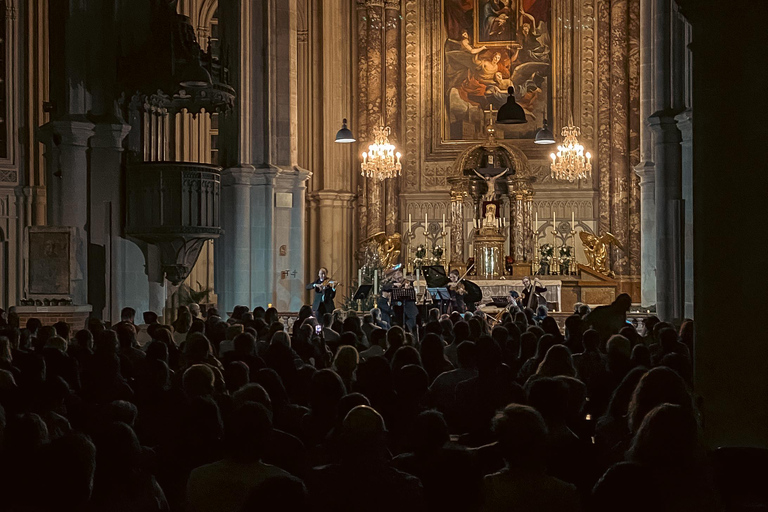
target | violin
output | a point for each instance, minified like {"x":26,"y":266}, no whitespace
{"x":329,"y":282}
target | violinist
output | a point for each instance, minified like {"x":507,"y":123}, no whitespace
{"x":408,"y":308}
{"x":325,"y":291}
{"x":457,"y":291}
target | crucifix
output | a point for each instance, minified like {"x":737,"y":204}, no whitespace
{"x":491,"y":128}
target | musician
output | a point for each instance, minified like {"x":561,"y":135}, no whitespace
{"x":532,"y":294}
{"x":325,"y":291}
{"x":410,"y":311}
{"x":383,"y":305}
{"x":514,"y":301}
{"x":457,"y":291}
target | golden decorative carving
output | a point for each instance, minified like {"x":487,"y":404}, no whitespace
{"x":596,"y":251}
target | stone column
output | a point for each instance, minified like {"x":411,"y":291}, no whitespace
{"x":331,"y":235}
{"x":646,"y":172}
{"x":646,"y":169}
{"x":669,"y":278}
{"x":458,"y":194}
{"x":290,"y":219}
{"x":73,"y":169}
{"x":233,"y":250}
{"x":685,"y":125}
{"x":730,"y":362}
{"x":262,"y":239}
{"x":105,"y":223}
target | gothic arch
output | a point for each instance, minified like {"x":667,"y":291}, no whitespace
{"x":206,"y":12}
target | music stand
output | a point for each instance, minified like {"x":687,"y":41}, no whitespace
{"x":441,"y":296}
{"x":362,"y":292}
{"x":403,"y":295}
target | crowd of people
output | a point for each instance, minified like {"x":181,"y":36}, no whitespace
{"x":343,"y":413}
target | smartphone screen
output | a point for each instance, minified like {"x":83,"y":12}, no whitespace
{"x":318,"y":329}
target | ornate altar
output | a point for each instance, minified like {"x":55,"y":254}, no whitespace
{"x":492,"y":176}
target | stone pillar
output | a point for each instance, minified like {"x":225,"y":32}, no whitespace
{"x":262,"y":239}
{"x":730,"y":359}
{"x":73,"y":169}
{"x":647,"y":173}
{"x":458,"y":195}
{"x":669,"y":270}
{"x":685,"y":124}
{"x":106,"y":200}
{"x":233,"y":250}
{"x":331,"y":235}
{"x":290,"y":218}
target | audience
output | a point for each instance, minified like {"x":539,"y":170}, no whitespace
{"x":235,"y":414}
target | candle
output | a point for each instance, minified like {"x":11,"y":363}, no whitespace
{"x":375,"y":282}
{"x":410,"y":222}
{"x":425,"y":223}
{"x":443,"y":223}
{"x":365,"y":157}
{"x":359,"y":277}
{"x":536,"y":225}
{"x":573,"y":220}
{"x":554,"y":221}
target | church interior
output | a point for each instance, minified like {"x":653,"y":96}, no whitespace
{"x":156,"y":154}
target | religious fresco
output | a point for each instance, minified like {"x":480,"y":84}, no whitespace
{"x":49,"y":262}
{"x":489,"y":47}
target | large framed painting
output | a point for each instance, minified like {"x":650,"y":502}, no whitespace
{"x":491,"y":47}
{"x":50,"y":261}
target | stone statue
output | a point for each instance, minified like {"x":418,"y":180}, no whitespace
{"x":596,"y":250}
{"x":491,"y":181}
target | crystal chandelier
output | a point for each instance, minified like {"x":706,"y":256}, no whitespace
{"x":381,"y":161}
{"x":571,"y":163}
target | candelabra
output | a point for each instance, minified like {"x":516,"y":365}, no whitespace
{"x":553,"y":267}
{"x":573,"y":265}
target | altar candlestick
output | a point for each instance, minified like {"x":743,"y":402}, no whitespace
{"x":573,"y":220}
{"x":443,"y":223}
{"x":410,"y":222}
{"x":554,"y":221}
{"x":425,"y":224}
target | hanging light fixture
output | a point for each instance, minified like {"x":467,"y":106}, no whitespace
{"x":544,"y":135}
{"x":381,"y":161}
{"x":344,"y":136}
{"x":571,"y":163}
{"x":511,"y":112}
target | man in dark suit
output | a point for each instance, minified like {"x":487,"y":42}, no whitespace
{"x":382,"y":303}
{"x":324,"y":294}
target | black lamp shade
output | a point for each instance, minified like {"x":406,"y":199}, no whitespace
{"x":344,"y":136}
{"x":511,"y":112}
{"x":195,"y":76}
{"x":544,"y":135}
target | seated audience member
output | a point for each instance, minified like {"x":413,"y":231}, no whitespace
{"x":378,"y":345}
{"x":142,"y":336}
{"x":522,"y":437}
{"x":370,"y":482}
{"x":666,"y":468}
{"x":609,"y":320}
{"x":450,"y":477}
{"x":225,"y":485}
{"x":442,"y":391}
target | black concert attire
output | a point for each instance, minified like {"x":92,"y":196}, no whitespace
{"x":457,"y":299}
{"x":407,"y":310}
{"x":324,"y":297}
{"x":386,"y":310}
{"x":526,"y":294}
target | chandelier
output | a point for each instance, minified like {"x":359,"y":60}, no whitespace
{"x":381,"y":161}
{"x":571,"y":163}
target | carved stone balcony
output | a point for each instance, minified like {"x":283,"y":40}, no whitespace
{"x":174,"y":206}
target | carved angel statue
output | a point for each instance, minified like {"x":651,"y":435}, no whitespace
{"x":491,"y":181}
{"x":596,"y":250}
{"x":389,"y":251}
